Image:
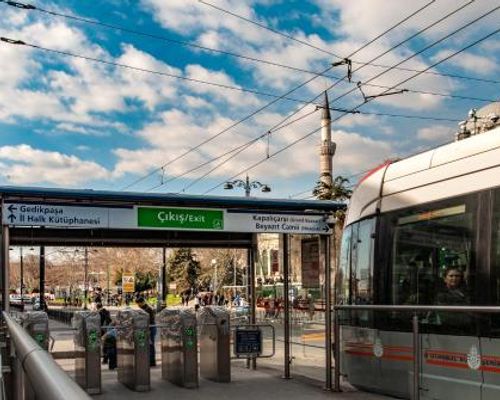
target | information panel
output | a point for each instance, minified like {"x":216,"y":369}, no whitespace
{"x":248,"y":342}
{"x":167,"y":218}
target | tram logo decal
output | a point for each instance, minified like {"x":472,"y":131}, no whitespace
{"x":474,"y":358}
{"x":378,"y":348}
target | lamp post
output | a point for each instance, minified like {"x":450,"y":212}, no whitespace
{"x":214,"y":281}
{"x":247,"y":185}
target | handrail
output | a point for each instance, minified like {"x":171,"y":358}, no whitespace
{"x":415,"y":324}
{"x":47,"y":378}
{"x":418,"y":308}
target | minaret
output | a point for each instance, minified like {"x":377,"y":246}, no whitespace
{"x":327,"y":146}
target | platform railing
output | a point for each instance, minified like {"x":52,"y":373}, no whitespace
{"x":415,"y":325}
{"x":47,"y":378}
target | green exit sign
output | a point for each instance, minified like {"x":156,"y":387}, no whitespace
{"x":180,"y":218}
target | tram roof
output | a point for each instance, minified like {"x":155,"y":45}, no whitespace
{"x":18,"y":193}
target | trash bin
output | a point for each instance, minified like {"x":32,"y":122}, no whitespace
{"x":132,"y":334}
{"x":179,"y":347}
{"x":215,"y":352}
{"x":87,"y":340}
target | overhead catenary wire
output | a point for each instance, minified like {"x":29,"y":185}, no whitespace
{"x":244,"y":145}
{"x":246,"y":57}
{"x":261,"y":93}
{"x":325,"y":51}
{"x":249,"y":58}
{"x":392,"y":67}
{"x":19,"y":42}
{"x":415,"y":117}
{"x":266,"y":106}
{"x":482,"y":39}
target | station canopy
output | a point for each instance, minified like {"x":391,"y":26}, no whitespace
{"x":72,"y":217}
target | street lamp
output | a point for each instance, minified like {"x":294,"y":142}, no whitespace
{"x":247,"y":185}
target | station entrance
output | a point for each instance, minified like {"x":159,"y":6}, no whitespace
{"x":87,"y":218}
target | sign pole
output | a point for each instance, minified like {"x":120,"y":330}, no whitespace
{"x":286,"y":309}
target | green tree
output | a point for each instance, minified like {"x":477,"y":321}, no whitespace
{"x":184,"y":269}
{"x":339,"y":191}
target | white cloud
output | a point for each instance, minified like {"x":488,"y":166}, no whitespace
{"x":474,"y":63}
{"x":27,"y":165}
{"x":436,"y":134}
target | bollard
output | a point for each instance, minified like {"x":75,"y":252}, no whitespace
{"x":179,"y":347}
{"x":87,"y":340}
{"x":132,"y":334}
{"x":215,"y":339}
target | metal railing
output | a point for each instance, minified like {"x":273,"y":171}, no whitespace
{"x":415,"y":325}
{"x":47,"y":378}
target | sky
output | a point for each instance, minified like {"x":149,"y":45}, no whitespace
{"x":180,"y":96}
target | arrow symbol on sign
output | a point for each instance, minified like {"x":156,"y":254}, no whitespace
{"x":326,"y":228}
{"x":12,"y":208}
{"x":12,"y":217}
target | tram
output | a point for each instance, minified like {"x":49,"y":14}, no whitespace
{"x":425,"y":230}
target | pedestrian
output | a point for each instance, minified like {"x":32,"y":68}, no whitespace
{"x":109,"y":347}
{"x":141,"y":302}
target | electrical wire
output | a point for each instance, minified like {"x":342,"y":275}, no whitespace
{"x":246,"y":57}
{"x":234,"y":88}
{"x":225,"y":52}
{"x":339,"y":57}
{"x":394,"y":66}
{"x":360,"y":105}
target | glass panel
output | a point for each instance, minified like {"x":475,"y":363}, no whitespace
{"x":342,"y":278}
{"x":363,"y":264}
{"x":432,"y":263}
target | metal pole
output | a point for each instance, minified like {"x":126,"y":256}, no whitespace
{"x":164,"y":284}
{"x":107,"y":284}
{"x":286,"y":308}
{"x":86,"y":279}
{"x":253,"y":258}
{"x":22,"y":277}
{"x":5,"y":269}
{"x":41,"y":285}
{"x":336,"y":339}
{"x":328,"y":309}
{"x":416,"y":359}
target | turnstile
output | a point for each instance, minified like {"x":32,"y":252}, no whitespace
{"x":36,"y":323}
{"x":132,"y":334}
{"x":87,"y":340}
{"x":215,"y":339}
{"x":179,"y":347}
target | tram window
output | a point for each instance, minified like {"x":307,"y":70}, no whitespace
{"x":432,"y":251}
{"x":362,"y":264}
{"x":495,"y":265}
{"x":344,"y":271}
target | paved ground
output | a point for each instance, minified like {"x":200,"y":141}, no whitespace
{"x":263,"y":384}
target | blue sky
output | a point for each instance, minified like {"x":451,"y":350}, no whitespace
{"x":70,"y":122}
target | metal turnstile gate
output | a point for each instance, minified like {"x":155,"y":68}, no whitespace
{"x":36,"y":323}
{"x":87,"y":340}
{"x":215,"y":339}
{"x":179,"y":347}
{"x":132,"y":331}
